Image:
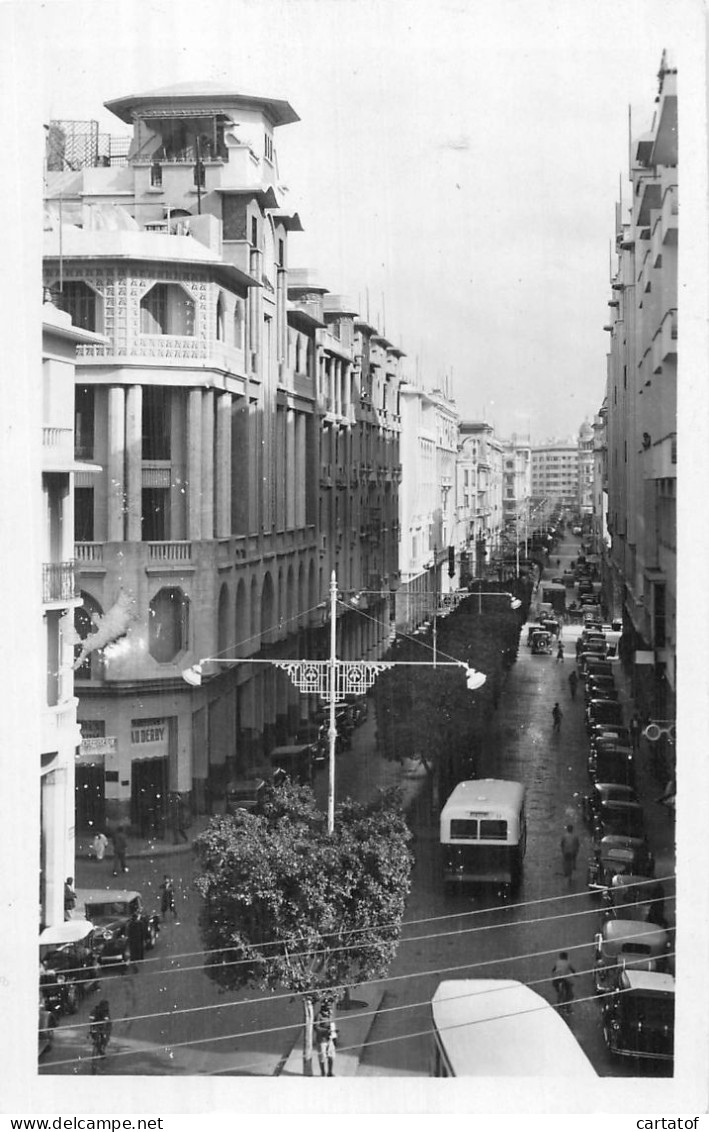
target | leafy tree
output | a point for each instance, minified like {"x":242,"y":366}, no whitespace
{"x":285,"y":904}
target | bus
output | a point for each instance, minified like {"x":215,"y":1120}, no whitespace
{"x":501,"y":1028}
{"x":483,"y":834}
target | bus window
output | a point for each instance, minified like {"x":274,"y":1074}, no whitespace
{"x":491,"y":830}
{"x":464,"y":829}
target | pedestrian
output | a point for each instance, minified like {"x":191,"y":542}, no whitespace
{"x":573,"y":682}
{"x":635,"y":729}
{"x":136,"y":939}
{"x":167,"y":902}
{"x":326,"y":1039}
{"x":99,"y":845}
{"x":570,"y":846}
{"x":562,"y":979}
{"x":69,"y":898}
{"x":120,"y":847}
{"x":557,"y":715}
{"x":560,"y":652}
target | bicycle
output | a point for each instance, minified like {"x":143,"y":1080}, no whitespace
{"x":564,"y":996}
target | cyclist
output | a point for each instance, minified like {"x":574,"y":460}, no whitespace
{"x":562,"y":980}
{"x":100,"y":1028}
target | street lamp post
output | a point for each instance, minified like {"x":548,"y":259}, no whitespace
{"x":332,"y":680}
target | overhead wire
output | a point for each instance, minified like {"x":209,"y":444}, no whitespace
{"x":263,"y":1031}
{"x":404,"y":938}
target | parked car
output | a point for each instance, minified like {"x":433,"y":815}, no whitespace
{"x":631,"y":897}
{"x":605,"y":792}
{"x":68,"y":965}
{"x":244,"y":793}
{"x":359,"y":708}
{"x":639,"y":1016}
{"x":619,"y":817}
{"x":610,"y":763}
{"x":600,"y":688}
{"x":614,"y":855}
{"x":295,"y":760}
{"x":597,"y":666}
{"x":110,"y":911}
{"x":627,"y":945}
{"x":314,"y":736}
{"x":603,"y":711}
{"x":610,"y":733}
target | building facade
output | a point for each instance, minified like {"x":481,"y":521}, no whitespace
{"x":555,"y":473}
{"x":641,"y":409}
{"x":208,"y":526}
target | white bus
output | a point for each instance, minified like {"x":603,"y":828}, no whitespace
{"x":501,"y":1028}
{"x":483,"y":834}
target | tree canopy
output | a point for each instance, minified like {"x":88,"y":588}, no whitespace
{"x":285,"y":904}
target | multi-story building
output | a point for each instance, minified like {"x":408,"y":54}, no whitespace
{"x":225,"y":420}
{"x":481,"y":470}
{"x":555,"y":473}
{"x":584,"y":491}
{"x":427,"y":502}
{"x":642,"y":407}
{"x":60,"y":735}
{"x":516,"y":495}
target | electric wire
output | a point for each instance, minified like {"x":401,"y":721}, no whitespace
{"x":496,"y":908}
{"x":390,"y":1010}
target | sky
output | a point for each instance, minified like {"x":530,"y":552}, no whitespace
{"x":455,"y":167}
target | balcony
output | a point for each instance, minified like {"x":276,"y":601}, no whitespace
{"x":668,"y":225}
{"x":88,"y":553}
{"x":57,"y":448}
{"x":59,"y":583}
{"x":159,"y":552}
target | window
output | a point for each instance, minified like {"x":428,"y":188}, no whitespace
{"x":168,"y":624}
{"x":493,"y":830}
{"x":83,"y":514}
{"x":239,"y":324}
{"x":78,"y":300}
{"x":268,"y":147}
{"x":464,"y":829}
{"x":84,"y":422}
{"x":155,"y":514}
{"x":167,"y":309}
{"x":156,"y":175}
{"x":220,"y":319}
{"x":156,"y":423}
{"x":281,"y":253}
{"x":254,"y":232}
{"x":198,"y":174}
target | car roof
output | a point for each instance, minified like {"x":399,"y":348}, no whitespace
{"x":621,"y":786}
{"x":104,"y":895}
{"x":68,"y":931}
{"x":627,"y":929}
{"x":621,"y":805}
{"x":657,"y":982}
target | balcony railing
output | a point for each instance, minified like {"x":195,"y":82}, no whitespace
{"x":170,"y":551}
{"x":59,"y":581}
{"x":88,"y":551}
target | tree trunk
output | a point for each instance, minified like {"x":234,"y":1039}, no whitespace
{"x":308,"y":1016}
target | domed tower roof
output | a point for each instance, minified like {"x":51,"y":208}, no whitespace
{"x":586,"y":431}
{"x":202,"y":95}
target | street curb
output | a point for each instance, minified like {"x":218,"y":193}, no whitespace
{"x":350,"y":1053}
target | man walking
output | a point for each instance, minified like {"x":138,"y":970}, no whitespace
{"x":569,"y":845}
{"x":560,"y":651}
{"x":573,"y":681}
{"x":120,"y":846}
{"x":557,"y":715}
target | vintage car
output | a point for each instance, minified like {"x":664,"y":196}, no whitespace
{"x":613,"y":855}
{"x":628,"y":945}
{"x":110,"y":911}
{"x":608,"y":762}
{"x":600,"y":688}
{"x":639,"y":1017}
{"x":244,"y":793}
{"x":541,"y":642}
{"x":596,"y":667}
{"x":68,"y":965}
{"x":619,"y":817}
{"x":294,"y":761}
{"x":631,"y":897}
{"x":531,"y":630}
{"x":610,"y":733}
{"x":315,"y":736}
{"x":588,"y":658}
{"x":603,"y":711}
{"x":605,"y":792}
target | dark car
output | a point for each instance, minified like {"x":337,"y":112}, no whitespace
{"x":314,"y":736}
{"x":612,"y":764}
{"x":244,"y":793}
{"x":602,"y":792}
{"x":598,"y":666}
{"x":600,"y":688}
{"x":68,"y":964}
{"x":110,"y":911}
{"x":610,"y":733}
{"x":603,"y":711}
{"x":294,"y":761}
{"x":631,"y":897}
{"x":619,"y":818}
{"x":639,"y":1016}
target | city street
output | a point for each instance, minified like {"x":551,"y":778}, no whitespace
{"x":170,"y":1019}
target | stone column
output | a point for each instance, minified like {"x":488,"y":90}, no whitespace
{"x":291,"y":466}
{"x":194,"y":464}
{"x":223,"y":467}
{"x":115,"y":464}
{"x":134,"y":462}
{"x":208,"y":464}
